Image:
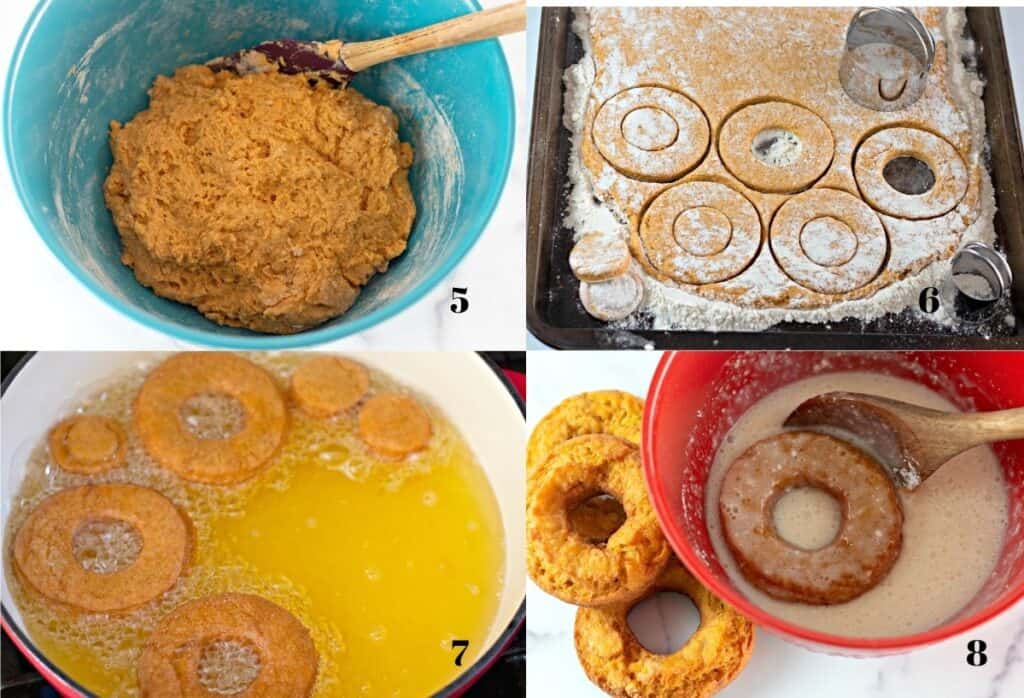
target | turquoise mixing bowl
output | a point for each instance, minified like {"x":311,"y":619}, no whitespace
{"x":79,"y":65}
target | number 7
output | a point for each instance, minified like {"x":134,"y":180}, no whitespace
{"x":463,"y":644}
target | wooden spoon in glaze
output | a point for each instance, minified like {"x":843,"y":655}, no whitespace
{"x":911,"y":441}
{"x":337,"y":62}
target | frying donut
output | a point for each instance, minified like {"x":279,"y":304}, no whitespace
{"x":327,"y":385}
{"x":869,"y":539}
{"x":615,"y":660}
{"x":88,"y":444}
{"x":166,"y":436}
{"x":44,"y":552}
{"x":598,"y":412}
{"x":394,"y":425}
{"x":561,"y":561}
{"x":170,"y":663}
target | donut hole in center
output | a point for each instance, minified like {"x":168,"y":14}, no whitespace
{"x":213,"y":415}
{"x":776,"y":147}
{"x":228,"y":666}
{"x":807,"y":517}
{"x":828,"y":242}
{"x":909,"y":175}
{"x":702,"y":231}
{"x":106,"y":545}
{"x":596,"y":518}
{"x":664,"y":622}
{"x":650,"y":129}
{"x":92,"y":442}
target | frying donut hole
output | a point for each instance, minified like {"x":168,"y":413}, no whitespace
{"x":664,"y":622}
{"x":212,"y":415}
{"x":106,"y":545}
{"x":908,"y":175}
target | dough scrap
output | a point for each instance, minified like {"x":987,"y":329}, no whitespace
{"x":261,"y":200}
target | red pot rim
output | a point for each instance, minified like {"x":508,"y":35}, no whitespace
{"x":690,"y":559}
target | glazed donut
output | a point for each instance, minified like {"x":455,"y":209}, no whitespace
{"x":828,"y":241}
{"x":614,"y":299}
{"x":599,"y":412}
{"x":327,"y":385}
{"x":651,"y":133}
{"x":171,"y":662}
{"x":869,"y":539}
{"x":394,"y":425}
{"x":561,"y":561}
{"x":88,"y":444}
{"x":599,"y":257}
{"x":881,"y":148}
{"x":44,"y":547}
{"x":700,"y":232}
{"x":615,"y":660}
{"x":167,"y":438}
{"x":776,"y":147}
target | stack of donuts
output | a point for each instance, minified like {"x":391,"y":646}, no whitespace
{"x":593,"y":540}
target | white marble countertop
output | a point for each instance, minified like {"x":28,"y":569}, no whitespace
{"x":777,"y":668}
{"x":54,"y":311}
{"x":1013,"y":28}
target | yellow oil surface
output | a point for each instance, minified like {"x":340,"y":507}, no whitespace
{"x":386,"y":563}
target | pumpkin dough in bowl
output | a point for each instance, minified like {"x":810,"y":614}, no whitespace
{"x":263,"y":200}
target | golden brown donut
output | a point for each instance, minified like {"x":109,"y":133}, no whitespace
{"x":561,"y":561}
{"x":44,"y":554}
{"x":651,"y":133}
{"x":394,"y":425}
{"x":615,"y":660}
{"x":169,"y":666}
{"x":327,"y":385}
{"x":168,"y":439}
{"x":776,"y":147}
{"x":881,"y":148}
{"x":700,"y":232}
{"x":88,"y":444}
{"x":869,"y":539}
{"x":828,"y":241}
{"x":597,"y":412}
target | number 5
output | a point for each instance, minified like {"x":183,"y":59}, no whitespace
{"x":460,"y":303}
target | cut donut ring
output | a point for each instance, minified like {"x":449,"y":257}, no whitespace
{"x":945,"y":163}
{"x":828,"y":241}
{"x":615,"y":660}
{"x":570,"y":567}
{"x":863,"y":551}
{"x":776,"y":147}
{"x":700,"y":232}
{"x":651,"y":133}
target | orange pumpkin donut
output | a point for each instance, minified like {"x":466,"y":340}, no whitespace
{"x":869,"y":539}
{"x":327,"y":385}
{"x":598,"y":412}
{"x":615,"y":660}
{"x":88,"y":444}
{"x":572,"y":568}
{"x":172,"y":661}
{"x":44,"y":547}
{"x":394,"y":425}
{"x":166,"y":436}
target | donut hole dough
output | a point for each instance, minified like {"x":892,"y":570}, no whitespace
{"x":908,"y":175}
{"x":651,"y":133}
{"x":776,"y":147}
{"x":599,"y":256}
{"x":264,"y":202}
{"x":828,"y":241}
{"x":702,"y":231}
{"x":949,"y":179}
{"x":614,"y":299}
{"x":664,"y":637}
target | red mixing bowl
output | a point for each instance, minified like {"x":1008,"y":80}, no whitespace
{"x":695,"y":397}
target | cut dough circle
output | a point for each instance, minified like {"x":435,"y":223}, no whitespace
{"x":614,"y":299}
{"x":941,"y":157}
{"x":829,"y":241}
{"x":776,"y":147}
{"x":700,"y":232}
{"x":651,"y":133}
{"x":599,"y":257}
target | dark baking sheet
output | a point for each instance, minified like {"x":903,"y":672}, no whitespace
{"x":555,"y":316}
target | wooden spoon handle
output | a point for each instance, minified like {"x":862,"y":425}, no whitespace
{"x":476,"y":26}
{"x":986,"y":427}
